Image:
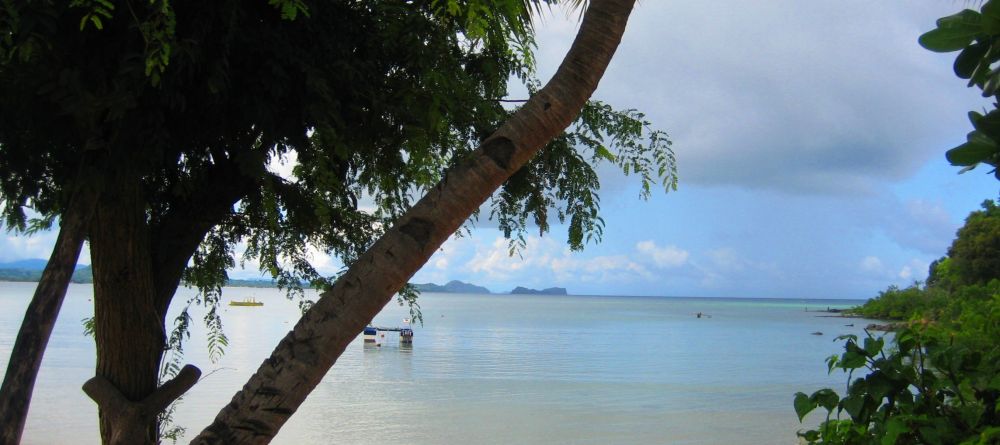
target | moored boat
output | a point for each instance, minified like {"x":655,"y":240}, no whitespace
{"x":246,"y":302}
{"x":369,"y":334}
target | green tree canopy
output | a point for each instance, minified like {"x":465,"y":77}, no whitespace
{"x":175,"y":111}
{"x":374,"y":100}
{"x":975,"y":253}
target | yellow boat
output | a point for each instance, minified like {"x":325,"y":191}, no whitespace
{"x":247,"y":302}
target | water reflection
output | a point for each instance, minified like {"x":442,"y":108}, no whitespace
{"x":585,"y":370}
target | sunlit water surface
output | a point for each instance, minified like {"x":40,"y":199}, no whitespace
{"x":493,"y":369}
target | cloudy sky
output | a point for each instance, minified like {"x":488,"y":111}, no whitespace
{"x":809,"y":137}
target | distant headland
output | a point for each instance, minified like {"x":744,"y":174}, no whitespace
{"x":453,"y":287}
{"x":549,"y":291}
{"x":31,"y":270}
{"x":459,"y":287}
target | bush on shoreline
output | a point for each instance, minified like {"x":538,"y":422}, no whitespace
{"x":936,"y":380}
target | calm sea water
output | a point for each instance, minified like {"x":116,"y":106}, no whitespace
{"x":495,"y":369}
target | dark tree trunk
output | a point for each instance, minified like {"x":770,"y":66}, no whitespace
{"x":137,"y":269}
{"x":303,"y":357}
{"x":41,"y":315}
{"x":128,"y":329}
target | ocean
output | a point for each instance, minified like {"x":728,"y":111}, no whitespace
{"x":493,"y":369}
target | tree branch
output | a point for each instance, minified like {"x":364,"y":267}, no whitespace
{"x":180,"y":232}
{"x":303,"y":357}
{"x":43,"y":311}
{"x":131,"y":417}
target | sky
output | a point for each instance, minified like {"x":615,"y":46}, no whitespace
{"x":810,"y":140}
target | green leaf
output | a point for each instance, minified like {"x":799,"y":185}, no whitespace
{"x":853,"y":358}
{"x":879,"y":385}
{"x":603,"y":152}
{"x":991,"y":84}
{"x":846,"y":337}
{"x":827,"y":398}
{"x":810,"y":436}
{"x":969,"y":59}
{"x":975,"y":117}
{"x":832,"y":362}
{"x":990,"y":435}
{"x":873,"y":346}
{"x":854,"y":405}
{"x":989,"y":124}
{"x":991,"y":17}
{"x":893,"y":429}
{"x":803,"y":405}
{"x":953,"y":32}
{"x":977,"y":149}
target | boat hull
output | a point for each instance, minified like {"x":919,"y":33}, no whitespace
{"x":245,"y":303}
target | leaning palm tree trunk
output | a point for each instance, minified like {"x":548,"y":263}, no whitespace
{"x":41,"y":315}
{"x":305,"y":355}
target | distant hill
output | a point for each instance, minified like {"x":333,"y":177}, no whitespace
{"x":31,"y":270}
{"x":254,"y":283}
{"x":550,"y":291}
{"x":453,"y":287}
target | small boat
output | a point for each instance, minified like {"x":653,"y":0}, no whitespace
{"x":406,"y":335}
{"x":370,"y":333}
{"x":247,"y":302}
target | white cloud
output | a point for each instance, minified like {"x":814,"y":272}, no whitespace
{"x":324,"y":263}
{"x":915,"y":270}
{"x":664,"y":257}
{"x":284,"y":164}
{"x":922,"y":225}
{"x":726,"y":268}
{"x":550,"y":263}
{"x":447,"y":254}
{"x":250,"y":268}
{"x":901,"y":275}
{"x":36,"y":246}
{"x":872,"y":264}
{"x":906,"y":273}
{"x":804,"y":97}
{"x":494,"y":260}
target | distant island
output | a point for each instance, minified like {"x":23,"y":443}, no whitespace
{"x":453,"y":287}
{"x":550,"y":291}
{"x":31,"y":271}
{"x":460,"y":287}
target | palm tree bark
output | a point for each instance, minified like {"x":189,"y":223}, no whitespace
{"x":304,"y":356}
{"x":40,"y":317}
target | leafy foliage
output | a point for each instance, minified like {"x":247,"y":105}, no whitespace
{"x":975,"y":253}
{"x":976,"y":34}
{"x":937,"y":380}
{"x":941,"y":273}
{"x":193,"y":104}
{"x":971,"y":270}
{"x":930,"y":388}
{"x":201,"y":99}
{"x":562,"y":179}
{"x":900,"y":304}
